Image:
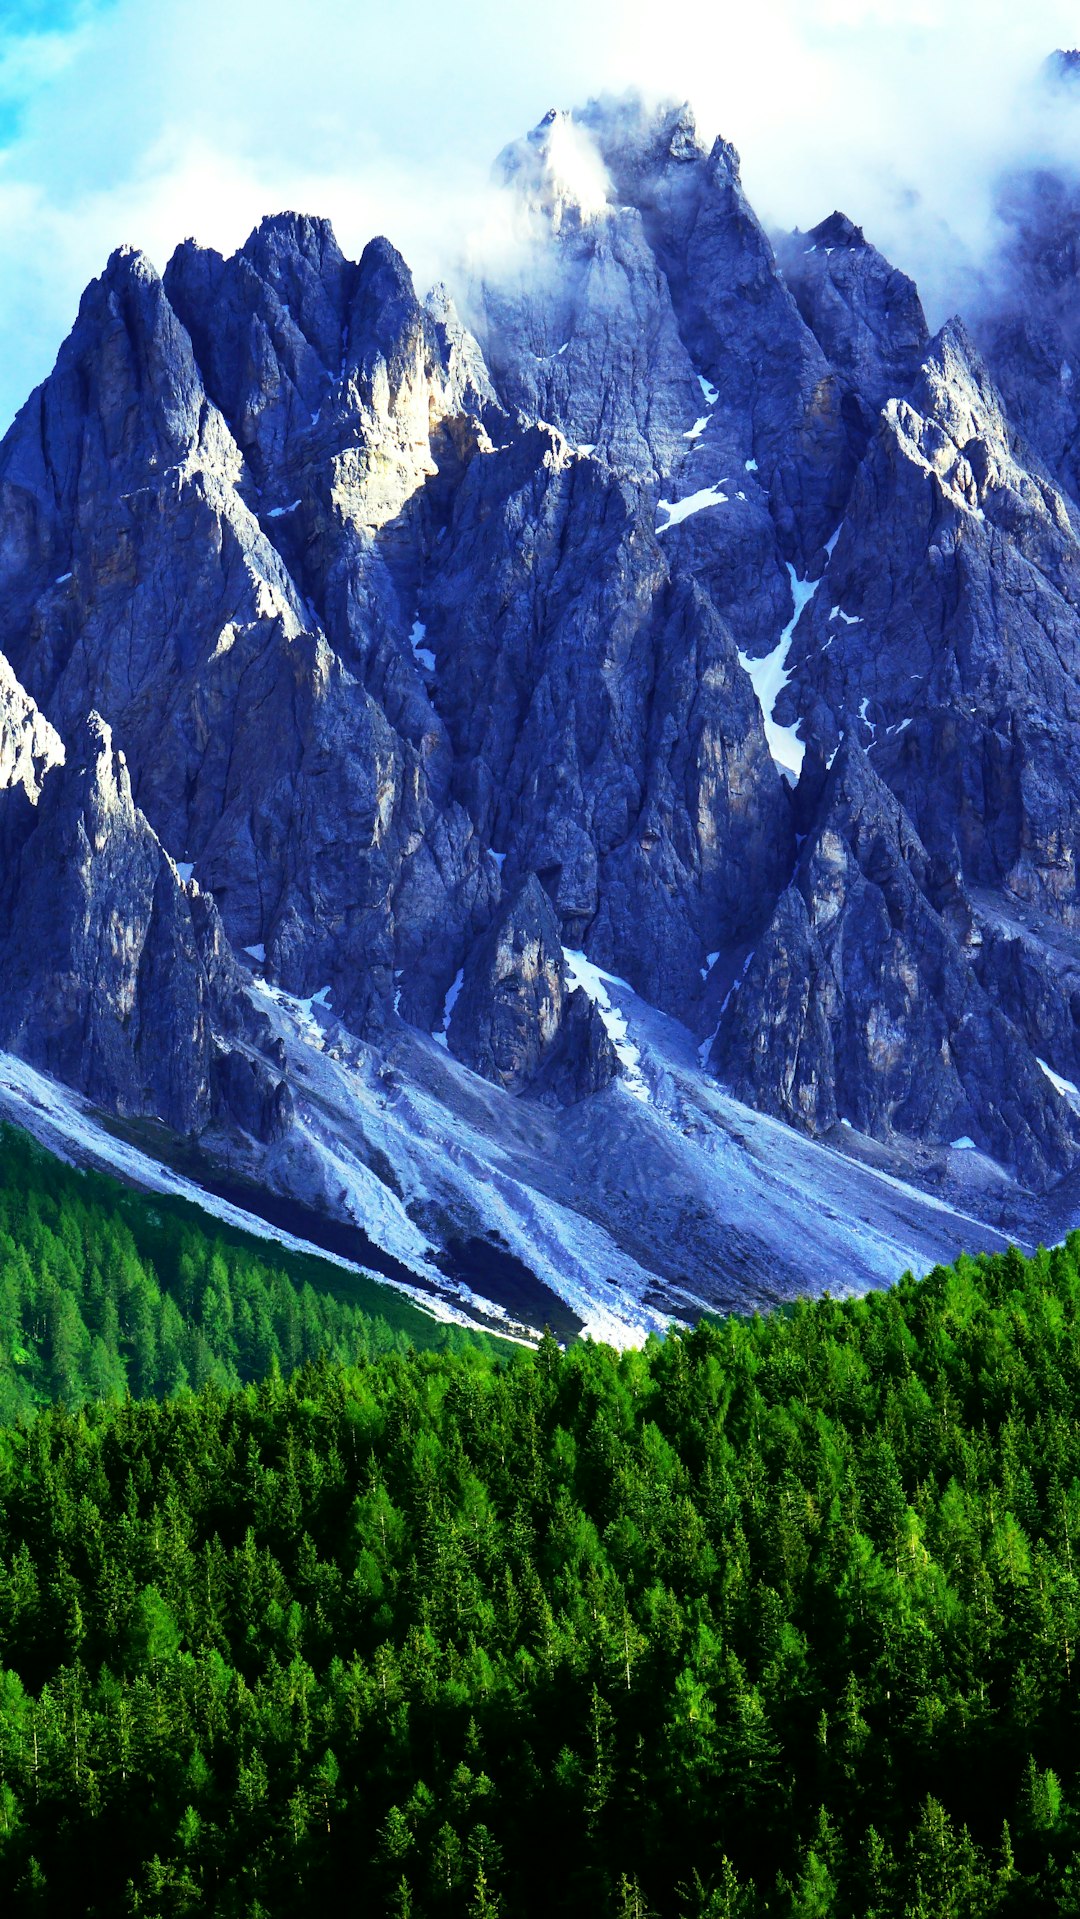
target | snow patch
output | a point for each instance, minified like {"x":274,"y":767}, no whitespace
{"x":849,"y":619}
{"x":710,"y":392}
{"x":309,"y":1028}
{"x":1066,"y":1087}
{"x":964,"y":1144}
{"x":257,"y":952}
{"x":750,"y":465}
{"x":706,"y":1046}
{"x":710,"y":962}
{"x":62,"y":578}
{"x":449,"y":1004}
{"x":679,"y":510}
{"x":279,"y":512}
{"x":695,"y":432}
{"x":581,"y":972}
{"x":421,"y":653}
{"x":185,"y":868}
{"x":769,"y":676}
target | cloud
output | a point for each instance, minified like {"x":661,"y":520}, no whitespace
{"x":122,"y":122}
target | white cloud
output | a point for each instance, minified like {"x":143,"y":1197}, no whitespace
{"x":197,"y":116}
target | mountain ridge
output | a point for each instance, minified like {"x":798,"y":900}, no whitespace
{"x":432,"y":652}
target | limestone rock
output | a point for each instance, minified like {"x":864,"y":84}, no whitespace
{"x":862,"y":1003}
{"x":517,"y":1021}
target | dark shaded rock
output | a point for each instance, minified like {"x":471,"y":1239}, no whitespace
{"x":606,"y":735}
{"x":517,"y":1021}
{"x":1032,"y":972}
{"x":861,"y":1001}
{"x":248,"y":1092}
{"x":1028,"y":316}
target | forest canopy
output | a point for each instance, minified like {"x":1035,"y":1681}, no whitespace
{"x":776,"y":1616}
{"x":106,"y":1291}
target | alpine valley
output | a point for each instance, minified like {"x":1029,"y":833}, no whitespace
{"x":566,"y":796}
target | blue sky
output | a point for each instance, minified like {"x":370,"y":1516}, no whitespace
{"x":147,"y":120}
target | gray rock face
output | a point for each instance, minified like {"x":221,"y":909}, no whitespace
{"x":861,"y":1001}
{"x":29,"y":746}
{"x":517,"y":1021}
{"x":865,"y":315}
{"x":434,"y":651}
{"x":101,"y":955}
{"x":117,"y":975}
{"x":944,"y":635}
{"x":608,"y":738}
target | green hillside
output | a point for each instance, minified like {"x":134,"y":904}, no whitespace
{"x":778,"y":1617}
{"x":104,"y":1291}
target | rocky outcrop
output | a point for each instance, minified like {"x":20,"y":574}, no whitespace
{"x":945,"y":635}
{"x":861,"y":1001}
{"x":29,"y":746}
{"x":102,"y":979}
{"x":115,"y":974}
{"x":516,"y":1019}
{"x":865,"y":314}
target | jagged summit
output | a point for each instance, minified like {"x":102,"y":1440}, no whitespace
{"x":556,"y":171}
{"x":837,"y":231}
{"x":1062,"y":67}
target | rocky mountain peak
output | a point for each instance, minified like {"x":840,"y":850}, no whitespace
{"x":837,"y":231}
{"x":556,"y":172}
{"x":638,"y":139}
{"x":1062,"y":67}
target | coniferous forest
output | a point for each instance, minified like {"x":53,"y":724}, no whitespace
{"x":777,"y":1616}
{"x":104,"y":1291}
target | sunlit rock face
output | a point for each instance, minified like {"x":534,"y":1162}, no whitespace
{"x":664,"y":594}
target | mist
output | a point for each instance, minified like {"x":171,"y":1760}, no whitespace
{"x":120,"y":123}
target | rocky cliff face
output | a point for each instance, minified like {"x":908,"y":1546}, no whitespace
{"x":689,"y":608}
{"x":117,"y":976}
{"x":517,"y":1020}
{"x":863,"y":1002}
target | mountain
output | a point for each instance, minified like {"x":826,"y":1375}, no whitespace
{"x":548,"y":799}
